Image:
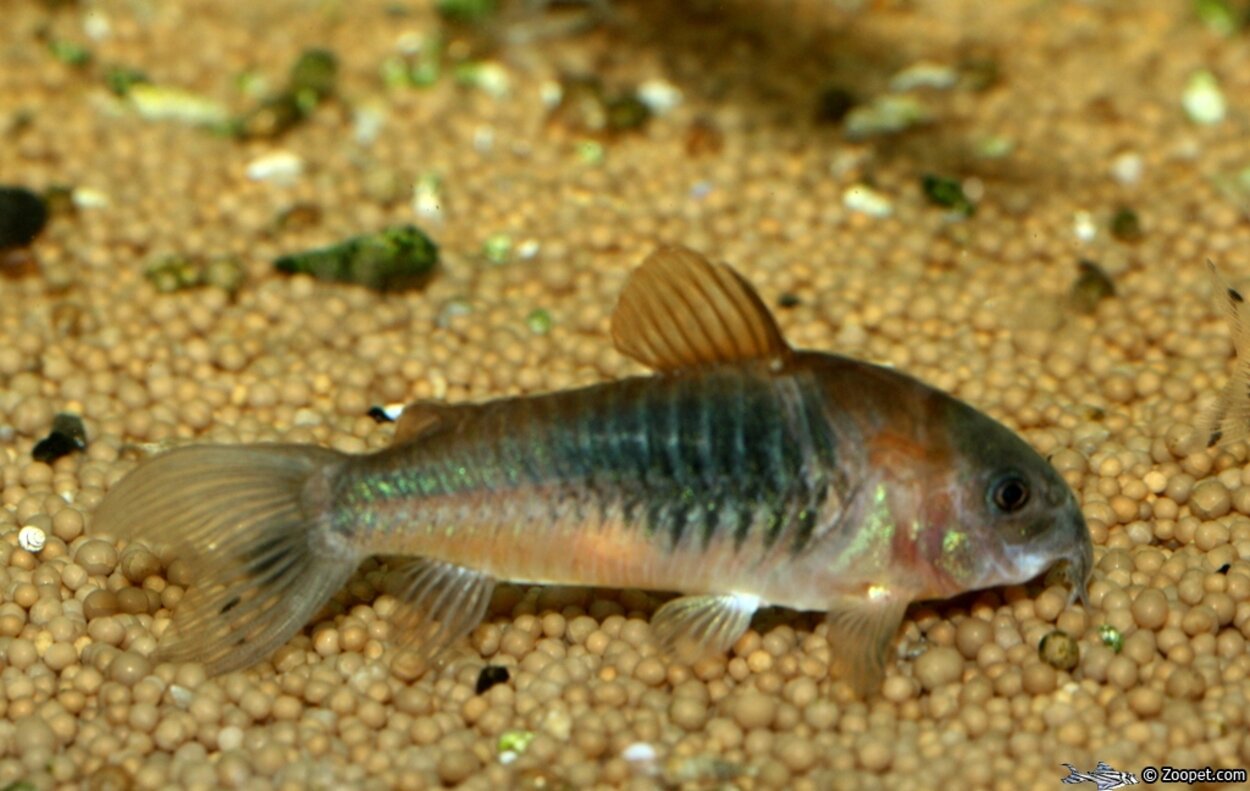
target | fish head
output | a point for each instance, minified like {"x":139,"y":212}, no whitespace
{"x":1009,"y":516}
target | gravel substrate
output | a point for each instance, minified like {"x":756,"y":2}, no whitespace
{"x":1112,"y":133}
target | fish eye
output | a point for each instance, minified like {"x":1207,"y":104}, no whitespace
{"x":1009,"y":493}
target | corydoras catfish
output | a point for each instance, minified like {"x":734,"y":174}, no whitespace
{"x":743,"y":473}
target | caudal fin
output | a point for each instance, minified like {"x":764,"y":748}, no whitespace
{"x":251,"y":521}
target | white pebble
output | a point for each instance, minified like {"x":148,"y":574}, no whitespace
{"x":281,"y":167}
{"x":31,"y":539}
{"x":1127,"y":168}
{"x":1202,"y":99}
{"x":659,"y":96}
{"x":1083,"y":226}
{"x":866,"y":200}
{"x":639,"y":752}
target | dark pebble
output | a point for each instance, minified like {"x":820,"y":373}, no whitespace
{"x":489,"y":677}
{"x":22,"y":216}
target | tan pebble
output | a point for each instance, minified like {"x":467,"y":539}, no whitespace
{"x":754,"y":710}
{"x":937,"y":666}
{"x":874,"y":755}
{"x":456,"y":766}
{"x":133,"y":601}
{"x":128,"y":668}
{"x":971,"y":634}
{"x":98,"y":557}
{"x":1150,"y":609}
{"x":797,"y":753}
{"x":1038,"y":678}
{"x":1145,"y":701}
{"x":688,"y":712}
{"x":99,"y":603}
{"x":1210,"y":499}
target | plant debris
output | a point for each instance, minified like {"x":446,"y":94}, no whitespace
{"x":67,"y":436}
{"x":1126,"y":225}
{"x":23,"y":215}
{"x":311,"y":80}
{"x":947,"y":192}
{"x":489,"y":677}
{"x":392,"y":259}
{"x":1059,"y":650}
{"x":177,"y":272}
{"x":1092,"y":286}
{"x":586,"y":106}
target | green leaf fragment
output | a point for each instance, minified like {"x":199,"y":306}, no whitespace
{"x":1219,"y":16}
{"x":590,"y":151}
{"x":69,"y":53}
{"x":392,"y":259}
{"x":947,"y":192}
{"x":467,"y":12}
{"x":516,"y":741}
{"x":120,"y":79}
{"x":497,"y":248}
{"x":539,"y":321}
{"x":1111,"y":637}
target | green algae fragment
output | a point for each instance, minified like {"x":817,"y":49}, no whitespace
{"x":590,"y":151}
{"x":995,"y":146}
{"x":172,"y":273}
{"x":539,"y":321}
{"x":626,"y":113}
{"x":69,"y":53}
{"x":1219,"y":16}
{"x":885,"y":115}
{"x":310,"y":81}
{"x":947,"y":192}
{"x":488,"y":76}
{"x":226,"y":273}
{"x":516,"y":741}
{"x":389,"y":260}
{"x":497,"y":248}
{"x":1111,"y":637}
{"x":1059,"y":650}
{"x":176,"y":272}
{"x":120,"y":79}
{"x":1092,"y":286}
{"x":314,"y":74}
{"x":1126,"y":225}
{"x":466,"y":12}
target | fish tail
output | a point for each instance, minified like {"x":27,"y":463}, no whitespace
{"x":254,"y":524}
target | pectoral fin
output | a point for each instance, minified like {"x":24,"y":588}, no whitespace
{"x":694,"y":626}
{"x":438,"y":603}
{"x":680,"y":311}
{"x":860,"y":632}
{"x":1229,"y":420}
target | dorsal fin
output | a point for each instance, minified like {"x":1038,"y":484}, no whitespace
{"x":678,"y":311}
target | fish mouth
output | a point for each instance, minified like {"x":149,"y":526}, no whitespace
{"x":1079,"y":562}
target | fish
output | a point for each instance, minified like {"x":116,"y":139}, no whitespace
{"x":1103,"y":777}
{"x":740,"y":473}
